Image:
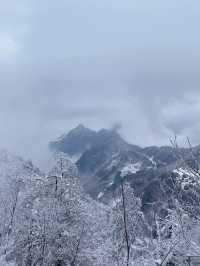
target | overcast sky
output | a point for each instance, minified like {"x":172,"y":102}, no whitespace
{"x":98,"y":62}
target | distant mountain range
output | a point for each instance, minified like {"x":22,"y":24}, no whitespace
{"x":103,"y":158}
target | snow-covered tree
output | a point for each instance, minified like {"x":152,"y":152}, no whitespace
{"x":129,"y":226}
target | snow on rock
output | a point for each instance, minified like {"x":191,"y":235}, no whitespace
{"x":111,"y":183}
{"x":100,"y":195}
{"x":131,"y":169}
{"x":151,"y":159}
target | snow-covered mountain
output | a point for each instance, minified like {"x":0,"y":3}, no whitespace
{"x":101,"y":155}
{"x":104,"y":157}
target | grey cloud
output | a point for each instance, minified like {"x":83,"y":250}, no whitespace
{"x":102,"y":63}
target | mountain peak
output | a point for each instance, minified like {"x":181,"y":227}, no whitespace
{"x":80,"y":129}
{"x":75,"y":142}
{"x":81,"y":139}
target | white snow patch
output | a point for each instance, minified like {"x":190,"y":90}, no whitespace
{"x":151,"y":159}
{"x":131,"y":169}
{"x":110,"y":184}
{"x":100,"y":195}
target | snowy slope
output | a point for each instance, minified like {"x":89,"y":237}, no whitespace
{"x":131,"y":169}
